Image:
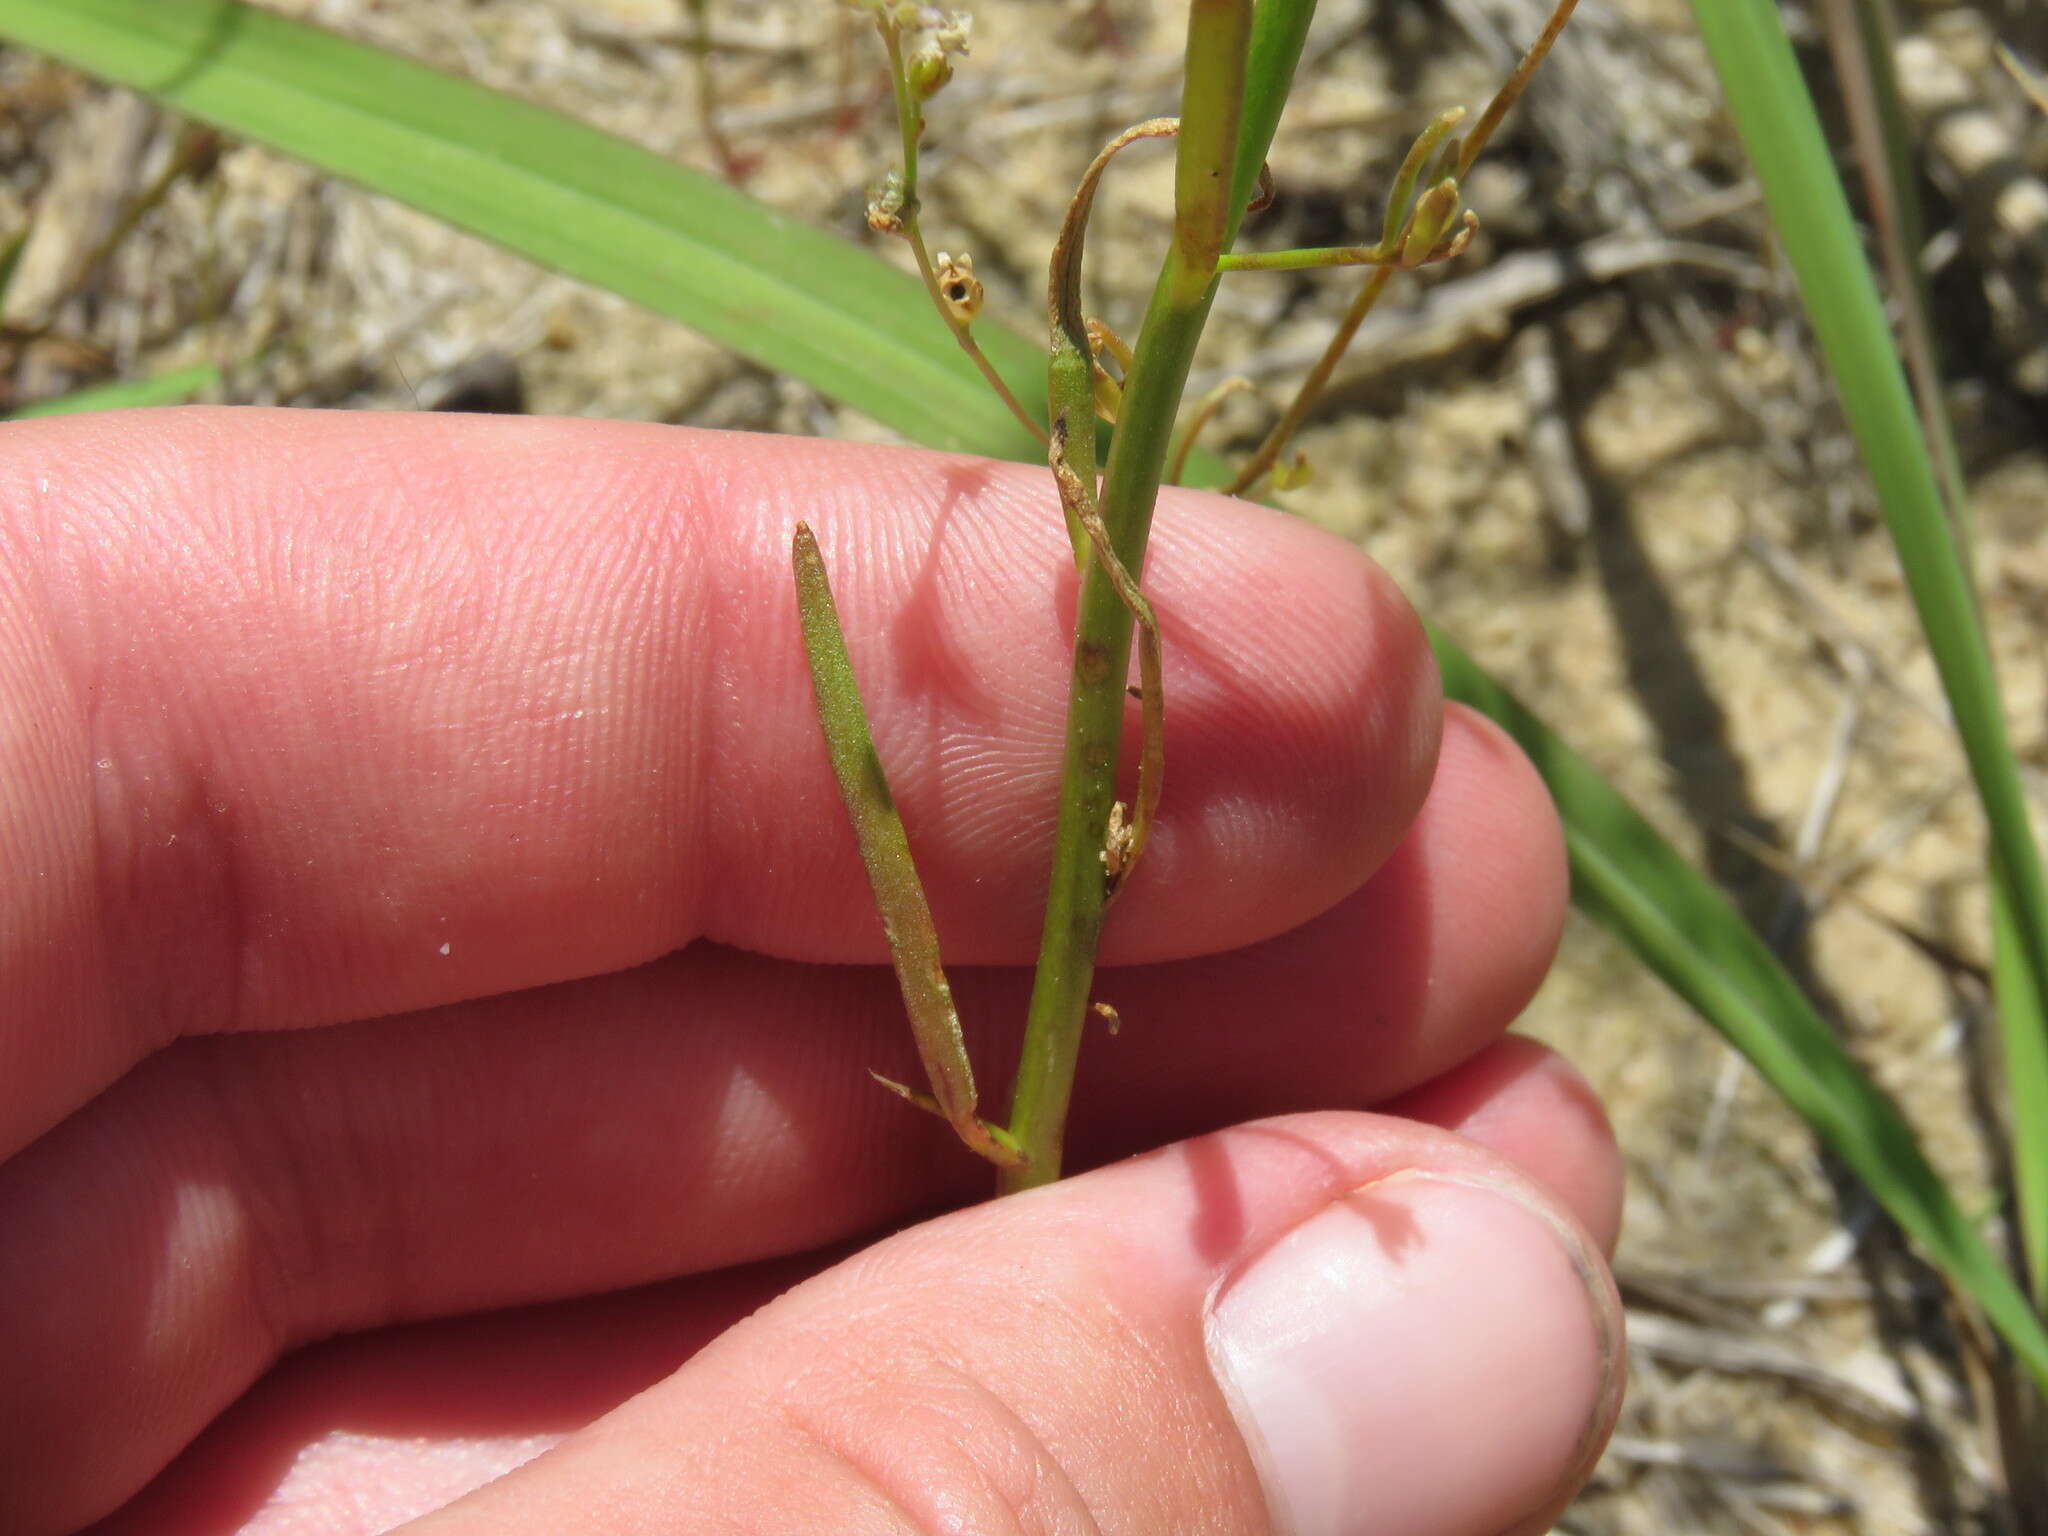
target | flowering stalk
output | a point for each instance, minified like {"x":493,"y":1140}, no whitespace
{"x":1218,"y":172}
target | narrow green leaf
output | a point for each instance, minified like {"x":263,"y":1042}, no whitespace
{"x":885,"y":850}
{"x":2023,"y":1027}
{"x":1861,"y":37}
{"x":1684,"y":929}
{"x":10,"y":259}
{"x":173,"y":388}
{"x":791,"y":296}
{"x":1779,"y":127}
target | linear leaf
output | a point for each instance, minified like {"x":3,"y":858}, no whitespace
{"x":1775,"y":116}
{"x":791,"y":296}
{"x":1635,"y":882}
{"x":174,"y":388}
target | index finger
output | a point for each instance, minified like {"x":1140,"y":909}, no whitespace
{"x":314,"y":717}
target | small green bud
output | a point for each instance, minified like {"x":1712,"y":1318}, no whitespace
{"x":929,"y":69}
{"x":1293,"y":474}
{"x":1434,"y":211}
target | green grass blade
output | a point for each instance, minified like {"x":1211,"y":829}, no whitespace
{"x":1860,"y":34}
{"x":1686,"y":930}
{"x":791,"y":296}
{"x":1782,"y":133}
{"x":2024,"y":1030}
{"x":10,"y":259}
{"x":174,"y":388}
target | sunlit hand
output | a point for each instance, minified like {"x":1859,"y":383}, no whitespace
{"x":422,"y":892}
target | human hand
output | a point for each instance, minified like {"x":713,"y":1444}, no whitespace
{"x":424,"y":892}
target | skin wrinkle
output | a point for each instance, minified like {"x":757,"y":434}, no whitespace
{"x":1147,"y":1393}
{"x":296,"y":1265}
{"x":163,"y":823}
{"x":47,"y":802}
{"x":1086,"y":1298}
{"x":893,"y":1439}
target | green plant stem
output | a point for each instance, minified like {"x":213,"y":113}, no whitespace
{"x":1205,"y":200}
{"x":909,"y":113}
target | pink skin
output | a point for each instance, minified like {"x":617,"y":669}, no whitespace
{"x":291,"y":702}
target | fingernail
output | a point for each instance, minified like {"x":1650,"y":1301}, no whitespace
{"x":1427,"y":1357}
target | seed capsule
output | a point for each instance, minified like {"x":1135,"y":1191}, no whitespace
{"x":958,"y":285}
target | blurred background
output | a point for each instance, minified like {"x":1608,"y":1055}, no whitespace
{"x":1597,"y":448}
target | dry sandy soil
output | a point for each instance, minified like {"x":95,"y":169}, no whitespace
{"x":1669,"y":550}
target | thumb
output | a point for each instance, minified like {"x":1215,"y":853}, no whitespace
{"x":1326,"y":1324}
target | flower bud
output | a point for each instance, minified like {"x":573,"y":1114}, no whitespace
{"x":1434,"y":211}
{"x":929,"y":69}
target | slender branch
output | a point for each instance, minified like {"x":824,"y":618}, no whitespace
{"x":1511,"y":90}
{"x":701,"y":46}
{"x":910,"y":124}
{"x":1191,"y":429}
{"x":1269,"y":451}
